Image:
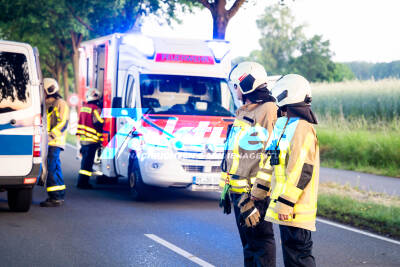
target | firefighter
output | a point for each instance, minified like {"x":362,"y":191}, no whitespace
{"x":294,"y":155}
{"x":57,"y":123}
{"x":89,"y":132}
{"x":241,"y":176}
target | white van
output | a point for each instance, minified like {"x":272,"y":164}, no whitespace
{"x":22,"y":114}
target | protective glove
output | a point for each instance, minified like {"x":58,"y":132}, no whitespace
{"x":225,"y":200}
{"x":249,"y":214}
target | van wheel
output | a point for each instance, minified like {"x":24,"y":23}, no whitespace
{"x":20,"y":200}
{"x":138,"y":189}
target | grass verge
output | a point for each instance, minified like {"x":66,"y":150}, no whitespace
{"x":356,"y":146}
{"x":375,"y":212}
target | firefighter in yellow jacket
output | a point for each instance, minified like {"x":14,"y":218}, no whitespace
{"x":57,"y":123}
{"x":241,"y":175}
{"x":294,"y":156}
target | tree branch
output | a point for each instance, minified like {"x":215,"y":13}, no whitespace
{"x":235,"y":8}
{"x":205,"y":3}
{"x":79,"y":19}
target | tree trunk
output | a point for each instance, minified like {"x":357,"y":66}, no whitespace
{"x":220,"y":19}
{"x":220,"y":22}
{"x":65,"y":80}
{"x":76,"y":39}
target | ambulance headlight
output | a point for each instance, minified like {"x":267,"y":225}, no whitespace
{"x":219,"y":48}
{"x":144,"y":44}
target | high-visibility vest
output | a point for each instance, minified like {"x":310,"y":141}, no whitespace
{"x":245,"y":144}
{"x":90,"y":124}
{"x":57,"y":121}
{"x":294,"y":184}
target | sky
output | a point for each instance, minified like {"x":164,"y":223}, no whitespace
{"x":358,"y":30}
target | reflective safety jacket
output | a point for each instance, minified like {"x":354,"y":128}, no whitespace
{"x":57,"y":121}
{"x":295,"y":181}
{"x":245,"y":144}
{"x":90,"y":124}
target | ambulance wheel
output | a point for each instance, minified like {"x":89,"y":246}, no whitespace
{"x":137,"y":188}
{"x":20,"y":199}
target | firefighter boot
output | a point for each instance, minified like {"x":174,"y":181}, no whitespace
{"x":52,"y":203}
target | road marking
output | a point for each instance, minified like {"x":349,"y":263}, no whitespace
{"x":359,"y":231}
{"x":179,"y":251}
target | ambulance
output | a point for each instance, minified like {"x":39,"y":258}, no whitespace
{"x":23,"y":134}
{"x":166,"y":105}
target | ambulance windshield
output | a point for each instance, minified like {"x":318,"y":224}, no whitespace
{"x":186,"y":95}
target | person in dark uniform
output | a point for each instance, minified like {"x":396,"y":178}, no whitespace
{"x":89,"y":132}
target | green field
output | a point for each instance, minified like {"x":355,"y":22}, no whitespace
{"x":359,"y":125}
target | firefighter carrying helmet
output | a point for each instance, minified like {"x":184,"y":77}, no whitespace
{"x":292,"y":89}
{"x":93,"y":94}
{"x":247,"y":76}
{"x":50,"y":86}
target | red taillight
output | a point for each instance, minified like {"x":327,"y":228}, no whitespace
{"x":30,"y":180}
{"x":37,"y":122}
{"x":36,"y":145}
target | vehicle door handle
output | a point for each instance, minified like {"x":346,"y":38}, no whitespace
{"x":13,"y":122}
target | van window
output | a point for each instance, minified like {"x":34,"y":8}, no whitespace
{"x":14,"y":79}
{"x":130,"y":92}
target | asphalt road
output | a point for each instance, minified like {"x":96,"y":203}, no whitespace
{"x":365,"y":181}
{"x":104,"y":227}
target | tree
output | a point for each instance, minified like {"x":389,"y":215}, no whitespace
{"x":314,"y":63}
{"x":280,"y":38}
{"x":285,"y":49}
{"x":57,"y":27}
{"x":221,"y":16}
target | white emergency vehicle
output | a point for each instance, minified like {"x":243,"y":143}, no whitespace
{"x":166,"y":104}
{"x":23,"y":139}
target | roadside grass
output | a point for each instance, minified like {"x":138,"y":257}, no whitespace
{"x":359,"y":125}
{"x":371,"y":211}
{"x":359,"y":146}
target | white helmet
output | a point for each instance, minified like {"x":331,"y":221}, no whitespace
{"x":291,"y":89}
{"x":50,"y":86}
{"x":93,"y":94}
{"x":248,"y":76}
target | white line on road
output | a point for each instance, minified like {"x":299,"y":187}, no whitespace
{"x":178,"y":250}
{"x":358,"y":231}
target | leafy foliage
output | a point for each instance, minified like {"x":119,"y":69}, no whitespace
{"x":285,"y":49}
{"x":365,"y":70}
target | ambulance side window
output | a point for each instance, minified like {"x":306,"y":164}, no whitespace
{"x":130,"y":92}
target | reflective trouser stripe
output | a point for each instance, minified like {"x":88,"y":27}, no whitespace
{"x":56,"y":188}
{"x":87,"y":173}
